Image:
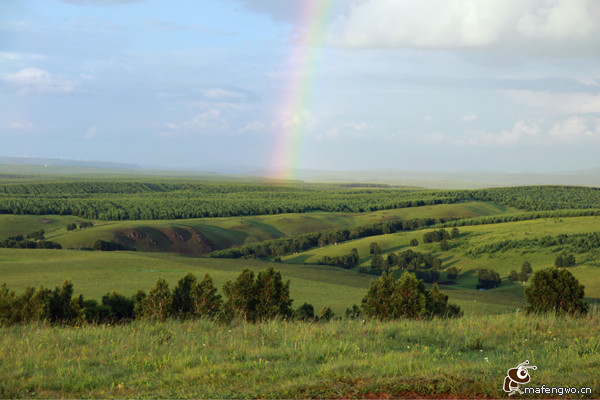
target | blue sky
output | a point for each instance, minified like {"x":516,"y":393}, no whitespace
{"x":431,"y":85}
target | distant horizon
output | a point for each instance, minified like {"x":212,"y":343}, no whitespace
{"x":425,"y":179}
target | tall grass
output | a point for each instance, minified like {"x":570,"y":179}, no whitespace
{"x":468,"y":357}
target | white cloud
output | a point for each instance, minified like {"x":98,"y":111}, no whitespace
{"x":558,"y":103}
{"x":254,"y":126}
{"x":207,"y":123}
{"x":8,"y":56}
{"x":520,"y":132}
{"x":358,"y":126}
{"x":452,"y":24}
{"x":21,"y":125}
{"x":35,"y":80}
{"x":90,"y":133}
{"x":468,"y":118}
{"x":223,"y":94}
{"x":575,"y":129}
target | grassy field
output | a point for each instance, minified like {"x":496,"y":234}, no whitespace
{"x":96,"y":273}
{"x":465,"y":358}
{"x":201,"y":235}
{"x":508,"y":295}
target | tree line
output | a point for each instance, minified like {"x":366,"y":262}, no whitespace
{"x":265,"y":296}
{"x":579,"y":243}
{"x":162,"y":200}
{"x":250,"y":297}
{"x":293,"y":244}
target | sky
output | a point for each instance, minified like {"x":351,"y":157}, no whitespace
{"x":423,"y":85}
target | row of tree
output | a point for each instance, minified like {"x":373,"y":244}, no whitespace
{"x":580,"y":242}
{"x":289,"y":245}
{"x":82,"y":225}
{"x":33,"y":240}
{"x":160,"y":200}
{"x":265,"y":296}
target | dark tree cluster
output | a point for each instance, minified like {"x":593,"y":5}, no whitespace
{"x":346,"y":261}
{"x":536,"y":198}
{"x":160,"y":200}
{"x":488,"y":279}
{"x":565,"y":261}
{"x":436,"y":236}
{"x":103,"y":245}
{"x":424,"y":266}
{"x":283,"y":246}
{"x":406,"y":297}
{"x":580,"y":242}
{"x":34,"y":240}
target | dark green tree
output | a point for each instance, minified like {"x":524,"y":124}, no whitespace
{"x":414,"y":242}
{"x":241,"y":296}
{"x":272,"y":295}
{"x":526,"y":267}
{"x":206,"y":303}
{"x":444,"y":246}
{"x":452,"y":272}
{"x":488,"y":279}
{"x":555,"y":291}
{"x":513,"y":277}
{"x":454,"y":234}
{"x":183,"y":297}
{"x":326,"y":314}
{"x":306,"y":312}
{"x":374,"y":248}
{"x":120,"y":307}
{"x":157,"y":304}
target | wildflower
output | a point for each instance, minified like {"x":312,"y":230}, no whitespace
{"x":487,"y":360}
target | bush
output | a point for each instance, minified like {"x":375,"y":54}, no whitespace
{"x":265,"y":298}
{"x":488,"y":279}
{"x":120,"y":307}
{"x":414,"y":242}
{"x":326,"y":314}
{"x":157,"y":304}
{"x":405,"y":298}
{"x":452,"y":273}
{"x":353,"y":313}
{"x":555,"y":291}
{"x":306,"y":312}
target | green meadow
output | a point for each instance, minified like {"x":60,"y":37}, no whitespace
{"x":460,"y":358}
{"x":201,"y":235}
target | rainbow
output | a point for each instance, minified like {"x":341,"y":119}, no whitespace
{"x":293,"y":114}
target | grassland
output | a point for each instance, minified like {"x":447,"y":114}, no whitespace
{"x":508,"y":295}
{"x":96,"y":273}
{"x":201,"y":235}
{"x":465,"y":358}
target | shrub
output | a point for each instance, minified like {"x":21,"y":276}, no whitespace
{"x":120,"y":307}
{"x":488,"y":279}
{"x":452,"y":273}
{"x":157,"y":304}
{"x":326,"y":314}
{"x":266,"y":298}
{"x":405,"y":298}
{"x":305,"y":312}
{"x":555,"y":291}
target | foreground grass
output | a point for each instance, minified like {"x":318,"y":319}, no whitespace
{"x":468,"y":357}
